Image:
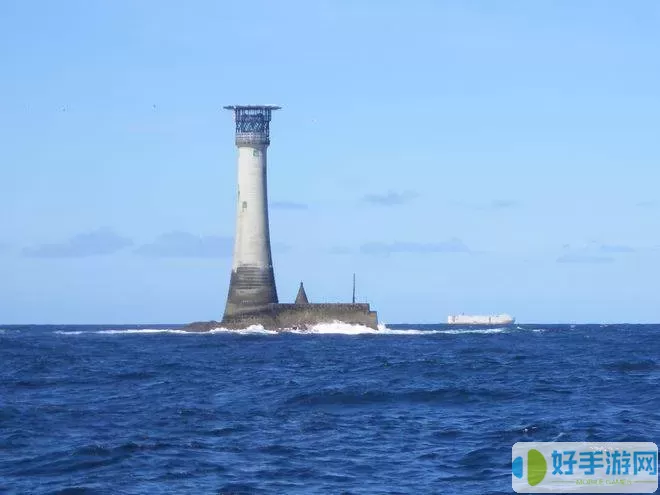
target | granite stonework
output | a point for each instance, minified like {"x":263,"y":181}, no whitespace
{"x":294,"y":316}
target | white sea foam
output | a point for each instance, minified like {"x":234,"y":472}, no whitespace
{"x":348,"y":329}
{"x":254,"y":329}
{"x":335,"y":328}
{"x":459,"y":331}
{"x":556,"y":439}
{"x":143,"y":330}
{"x":251,"y":330}
{"x":121,"y":331}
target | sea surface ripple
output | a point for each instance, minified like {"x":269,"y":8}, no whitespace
{"x":413,"y":409}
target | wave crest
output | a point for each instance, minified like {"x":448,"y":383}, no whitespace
{"x":335,"y":328}
{"x":251,"y":330}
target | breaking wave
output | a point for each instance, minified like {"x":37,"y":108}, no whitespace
{"x":120,"y":331}
{"x":251,"y":330}
{"x":347,"y":329}
{"x":476,"y":330}
{"x":144,"y":330}
{"x":336,"y":328}
{"x":339,"y":328}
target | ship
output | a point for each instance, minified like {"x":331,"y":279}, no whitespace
{"x":481,"y":320}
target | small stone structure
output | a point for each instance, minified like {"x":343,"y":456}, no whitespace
{"x":301,"y":298}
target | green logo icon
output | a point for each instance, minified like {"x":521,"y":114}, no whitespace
{"x":536,"y":467}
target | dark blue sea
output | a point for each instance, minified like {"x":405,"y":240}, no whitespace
{"x":412,"y":410}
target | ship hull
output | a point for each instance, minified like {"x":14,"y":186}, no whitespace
{"x":480,"y":321}
{"x":480,"y":326}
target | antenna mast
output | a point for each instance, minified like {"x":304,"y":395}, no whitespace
{"x":354,"y":288}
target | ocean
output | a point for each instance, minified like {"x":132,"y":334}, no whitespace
{"x":412,"y":409}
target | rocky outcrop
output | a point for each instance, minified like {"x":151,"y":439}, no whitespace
{"x":288,"y":316}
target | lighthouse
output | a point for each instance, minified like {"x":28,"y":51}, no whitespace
{"x":252,"y":283}
{"x":252,"y":297}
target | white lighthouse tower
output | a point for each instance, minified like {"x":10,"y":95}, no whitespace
{"x":252,"y":283}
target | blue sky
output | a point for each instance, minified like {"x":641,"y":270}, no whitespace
{"x":459,"y":156}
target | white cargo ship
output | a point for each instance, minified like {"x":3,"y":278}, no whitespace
{"x":481,"y":320}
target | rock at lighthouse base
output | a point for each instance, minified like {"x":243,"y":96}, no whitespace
{"x":287,"y":316}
